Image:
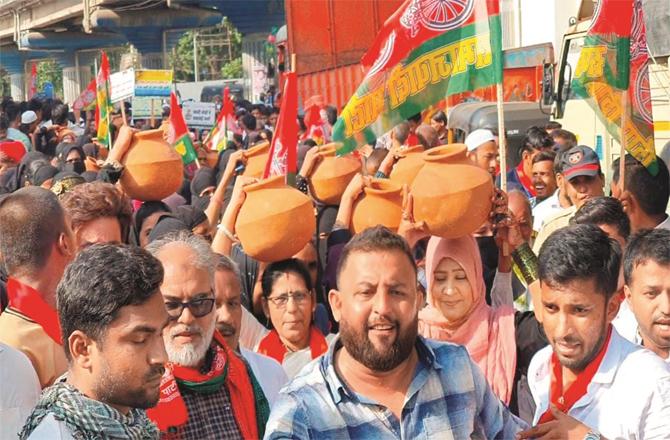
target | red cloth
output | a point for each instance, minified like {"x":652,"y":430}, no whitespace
{"x":283,"y":157}
{"x":178,"y":126}
{"x":272,"y":346}
{"x":29,"y":302}
{"x":525,"y":180}
{"x":171,"y":409}
{"x":564,"y":399}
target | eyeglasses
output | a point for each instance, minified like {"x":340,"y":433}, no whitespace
{"x":198,"y":307}
{"x":281,"y":301}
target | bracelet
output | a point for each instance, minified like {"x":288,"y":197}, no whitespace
{"x":301,"y":183}
{"x":380,"y":175}
{"x":526,"y":261}
{"x":232,"y":237}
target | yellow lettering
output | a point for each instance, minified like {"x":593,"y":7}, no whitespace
{"x":591,"y":61}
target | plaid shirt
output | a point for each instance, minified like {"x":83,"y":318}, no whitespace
{"x":448,"y":399}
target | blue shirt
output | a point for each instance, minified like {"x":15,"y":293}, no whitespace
{"x":448,"y":398}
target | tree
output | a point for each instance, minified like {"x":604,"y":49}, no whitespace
{"x":219,"y":48}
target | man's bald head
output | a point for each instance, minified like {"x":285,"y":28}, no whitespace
{"x":427,"y":136}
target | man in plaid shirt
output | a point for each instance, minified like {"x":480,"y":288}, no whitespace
{"x":380,"y":379}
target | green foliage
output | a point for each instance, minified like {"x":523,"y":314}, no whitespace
{"x":215,"y":58}
{"x":50,"y":71}
{"x":5,"y":90}
{"x":232,"y":69}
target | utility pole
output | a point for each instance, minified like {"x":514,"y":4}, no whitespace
{"x":195,"y":55}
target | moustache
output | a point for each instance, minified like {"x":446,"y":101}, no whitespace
{"x":225,"y":328}
{"x":181,"y":328}
{"x":569,"y":340}
{"x":383,"y":321}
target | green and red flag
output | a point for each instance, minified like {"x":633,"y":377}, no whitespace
{"x":283,"y":157}
{"x":426,"y":50}
{"x":104,"y":103}
{"x":87,"y":99}
{"x":225,"y":123}
{"x":614,"y":62}
{"x":178,"y":135}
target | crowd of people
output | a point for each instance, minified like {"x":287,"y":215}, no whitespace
{"x":129,"y":319}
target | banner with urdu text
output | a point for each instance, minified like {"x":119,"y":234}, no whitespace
{"x":452,"y":46}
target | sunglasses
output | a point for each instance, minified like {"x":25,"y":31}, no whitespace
{"x":198,"y":307}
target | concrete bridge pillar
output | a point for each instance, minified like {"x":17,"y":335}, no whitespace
{"x":17,"y":86}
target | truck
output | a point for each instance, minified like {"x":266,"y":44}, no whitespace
{"x":576,"y":114}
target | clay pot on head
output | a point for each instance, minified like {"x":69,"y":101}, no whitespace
{"x":381,"y":204}
{"x":257,"y":157}
{"x":153,"y":169}
{"x":451,"y":195}
{"x":276,"y":221}
{"x":408,"y":166}
{"x":332,"y":175}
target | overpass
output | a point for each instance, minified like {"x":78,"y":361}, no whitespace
{"x":71,"y":30}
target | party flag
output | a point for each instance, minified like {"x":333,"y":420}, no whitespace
{"x":33,"y":81}
{"x":104,"y":105}
{"x":178,"y":134}
{"x":283,"y":157}
{"x":427,"y":50}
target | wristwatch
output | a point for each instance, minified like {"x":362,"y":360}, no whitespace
{"x":592,"y":435}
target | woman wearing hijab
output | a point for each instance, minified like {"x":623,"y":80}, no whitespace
{"x":71,"y":158}
{"x":195,"y":219}
{"x":457,"y":311}
{"x":203,"y":186}
{"x":146,"y":218}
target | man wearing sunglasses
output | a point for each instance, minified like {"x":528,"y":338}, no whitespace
{"x":207,"y":390}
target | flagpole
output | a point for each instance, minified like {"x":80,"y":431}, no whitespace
{"x":502,"y":143}
{"x":622,"y":151}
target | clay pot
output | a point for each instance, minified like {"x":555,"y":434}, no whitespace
{"x":332,"y":175}
{"x":381,"y":204}
{"x":212,"y":158}
{"x":408,"y":166}
{"x":153,"y":169}
{"x":276,"y":221}
{"x":257,"y":157}
{"x":451,"y":195}
{"x":91,"y":164}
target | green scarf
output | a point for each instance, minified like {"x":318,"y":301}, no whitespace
{"x":88,"y":419}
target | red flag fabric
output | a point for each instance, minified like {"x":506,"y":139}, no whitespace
{"x":178,"y":134}
{"x":87,"y":98}
{"x":283,"y":157}
{"x":33,"y":81}
{"x":415,"y":22}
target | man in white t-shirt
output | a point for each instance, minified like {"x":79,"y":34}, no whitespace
{"x":229,"y":317}
{"x":647,"y":275}
{"x":19,"y":391}
{"x":591,"y":383}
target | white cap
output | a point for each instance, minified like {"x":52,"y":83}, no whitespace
{"x":28,"y":117}
{"x":479,"y":137}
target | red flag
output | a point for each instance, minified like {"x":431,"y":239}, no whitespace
{"x":33,"y":81}
{"x":415,"y":22}
{"x":317,"y":129}
{"x":283,"y":157}
{"x":87,"y":98}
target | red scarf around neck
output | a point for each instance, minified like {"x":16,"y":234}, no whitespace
{"x":525,"y":180}
{"x":28,"y":301}
{"x":272,"y":346}
{"x":564,"y":400}
{"x":171,"y":410}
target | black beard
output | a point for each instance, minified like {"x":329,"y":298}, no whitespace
{"x":581,"y":364}
{"x":360,"y":347}
{"x":111,"y":390}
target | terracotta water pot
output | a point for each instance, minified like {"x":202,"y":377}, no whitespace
{"x":91,"y":164}
{"x":153,"y":169}
{"x":408,"y":166}
{"x":332,"y":175}
{"x":276,"y":221}
{"x":451,"y":195}
{"x":381,"y":204}
{"x":257,"y":157}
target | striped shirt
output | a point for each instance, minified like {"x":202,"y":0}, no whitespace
{"x":447,"y":399}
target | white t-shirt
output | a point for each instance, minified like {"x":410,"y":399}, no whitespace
{"x":51,"y":429}
{"x":628,"y":397}
{"x":19,"y":391}
{"x":268,"y":372}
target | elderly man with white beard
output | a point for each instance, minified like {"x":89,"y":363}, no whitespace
{"x":207,"y":391}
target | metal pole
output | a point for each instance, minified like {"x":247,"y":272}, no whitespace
{"x":195,"y":54}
